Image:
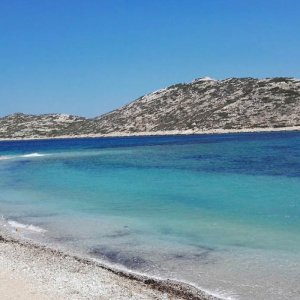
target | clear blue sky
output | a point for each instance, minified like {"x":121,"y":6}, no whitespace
{"x":88,"y":57}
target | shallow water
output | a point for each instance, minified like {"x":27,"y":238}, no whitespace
{"x":219,"y":211}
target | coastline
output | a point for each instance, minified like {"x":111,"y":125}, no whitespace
{"x":17,"y":256}
{"x":42,"y":272}
{"x":158,"y":133}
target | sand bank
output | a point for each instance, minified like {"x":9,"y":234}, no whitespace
{"x":159,"y":133}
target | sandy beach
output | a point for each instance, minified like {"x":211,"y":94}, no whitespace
{"x":159,"y":133}
{"x":33,"y":271}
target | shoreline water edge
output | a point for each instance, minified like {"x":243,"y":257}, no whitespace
{"x":56,"y":273}
{"x":159,"y":133}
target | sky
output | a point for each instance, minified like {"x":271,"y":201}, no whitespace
{"x":87,"y":57}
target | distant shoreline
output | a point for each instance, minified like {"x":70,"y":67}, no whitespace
{"x":158,"y":133}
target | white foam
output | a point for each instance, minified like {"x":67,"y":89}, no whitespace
{"x":17,"y":225}
{"x":33,"y":155}
{"x":29,"y":155}
{"x":2,"y":157}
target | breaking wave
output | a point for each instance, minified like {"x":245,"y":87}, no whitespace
{"x":29,"y":155}
{"x":30,"y":227}
{"x":32,"y":155}
{"x":2,"y":157}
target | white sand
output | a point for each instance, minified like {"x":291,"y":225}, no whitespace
{"x":16,"y":287}
{"x":171,"y":132}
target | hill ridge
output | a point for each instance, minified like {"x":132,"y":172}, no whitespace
{"x":204,"y":104}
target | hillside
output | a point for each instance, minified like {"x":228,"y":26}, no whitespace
{"x":202,"y":105}
{"x":21,"y":125}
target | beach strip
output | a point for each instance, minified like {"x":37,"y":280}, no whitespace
{"x":159,"y":133}
{"x":33,"y":271}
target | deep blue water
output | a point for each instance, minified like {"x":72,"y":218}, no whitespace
{"x":173,"y":206}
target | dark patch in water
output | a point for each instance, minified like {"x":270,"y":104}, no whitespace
{"x":115,"y":256}
{"x":206,"y":248}
{"x":179,"y":256}
{"x":201,"y":254}
{"x":117,"y":234}
{"x":203,"y":157}
{"x":166,"y":230}
{"x":237,"y":244}
{"x":65,"y":239}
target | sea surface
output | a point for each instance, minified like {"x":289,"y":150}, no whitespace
{"x":219,"y":211}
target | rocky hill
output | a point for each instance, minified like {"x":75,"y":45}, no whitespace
{"x":202,"y":105}
{"x":21,"y":125}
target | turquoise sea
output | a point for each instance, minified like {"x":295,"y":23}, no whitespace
{"x":219,"y":211}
